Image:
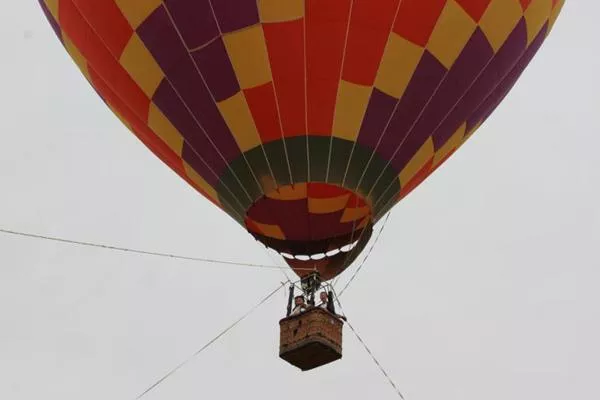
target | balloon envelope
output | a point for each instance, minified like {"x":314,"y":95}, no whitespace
{"x":304,"y":120}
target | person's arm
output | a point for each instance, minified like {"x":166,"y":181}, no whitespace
{"x":330,"y":304}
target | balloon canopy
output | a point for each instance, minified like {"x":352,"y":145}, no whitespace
{"x":304,"y":120}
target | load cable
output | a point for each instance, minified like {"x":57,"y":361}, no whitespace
{"x":213,"y":340}
{"x":377,"y":363}
{"x":367,"y":256}
{"x":143,"y":252}
{"x":398,"y":392}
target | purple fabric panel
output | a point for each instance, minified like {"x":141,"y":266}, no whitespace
{"x":236,"y":14}
{"x":467,"y":67}
{"x":171,"y":106}
{"x":215,"y":65}
{"x":162,"y":41}
{"x":50,"y":17}
{"x":188,"y":83}
{"x":194,"y":20}
{"x":261,"y":212}
{"x":426,"y":79}
{"x":325,"y":226}
{"x":502,"y":63}
{"x":291,"y":216}
{"x":378,"y":113}
{"x":191,"y":157}
{"x":496,"y":97}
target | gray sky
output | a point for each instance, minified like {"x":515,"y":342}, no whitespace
{"x":483,"y":285}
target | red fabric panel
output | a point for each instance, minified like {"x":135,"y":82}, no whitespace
{"x":326,"y":26}
{"x":261,"y":101}
{"x":285,"y":43}
{"x":417,"y":18}
{"x":370,"y":28}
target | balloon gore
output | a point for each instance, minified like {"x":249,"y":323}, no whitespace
{"x":303,"y":120}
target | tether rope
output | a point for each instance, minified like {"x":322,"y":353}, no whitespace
{"x":383,"y":371}
{"x":149,"y":253}
{"x":178,"y":367}
{"x":367,"y":256}
{"x":376,"y":361}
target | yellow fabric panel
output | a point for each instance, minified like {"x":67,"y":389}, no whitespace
{"x":536,"y":16}
{"x":202,"y":184}
{"x":76,"y":55}
{"x":52,"y":7}
{"x":423,"y":155}
{"x":499,"y":20}
{"x":164,"y":129}
{"x":352,"y":101}
{"x":398,"y":64}
{"x":352,"y":214}
{"x":295,"y":192}
{"x":555,"y":12}
{"x":141,"y":66}
{"x":452,"y":32}
{"x":136,"y":11}
{"x":248,"y":54}
{"x":326,"y":206}
{"x":280,"y":10}
{"x":452,"y":143}
{"x":237,"y":115}
{"x":273,"y":231}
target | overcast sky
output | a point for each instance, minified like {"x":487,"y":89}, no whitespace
{"x":484,"y":284}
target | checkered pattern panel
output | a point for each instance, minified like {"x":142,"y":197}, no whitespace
{"x":242,"y":98}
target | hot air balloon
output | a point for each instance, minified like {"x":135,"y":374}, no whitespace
{"x":304,"y":120}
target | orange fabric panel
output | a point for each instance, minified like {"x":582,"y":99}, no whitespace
{"x":475,"y":8}
{"x":261,"y":101}
{"x":109,"y":23}
{"x":101,"y":60}
{"x":140,"y":129}
{"x":285,"y":43}
{"x":526,"y":3}
{"x":417,"y":18}
{"x":326,"y":26}
{"x":370,"y":28}
{"x":328,"y":205}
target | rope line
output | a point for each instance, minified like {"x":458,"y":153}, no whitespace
{"x":178,"y":367}
{"x":367,"y":256}
{"x":345,"y":264}
{"x":278,"y":263}
{"x":337,"y":299}
{"x":150,"y":253}
{"x":375,"y":360}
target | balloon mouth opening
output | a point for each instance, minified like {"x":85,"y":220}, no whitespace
{"x":312,"y":225}
{"x":319,"y":256}
{"x":317,"y":250}
{"x":330,"y":257}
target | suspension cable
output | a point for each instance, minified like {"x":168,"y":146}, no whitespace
{"x":367,"y":256}
{"x":230,"y":327}
{"x":149,"y":253}
{"x":278,"y":263}
{"x":376,"y":361}
{"x":387,"y":376}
